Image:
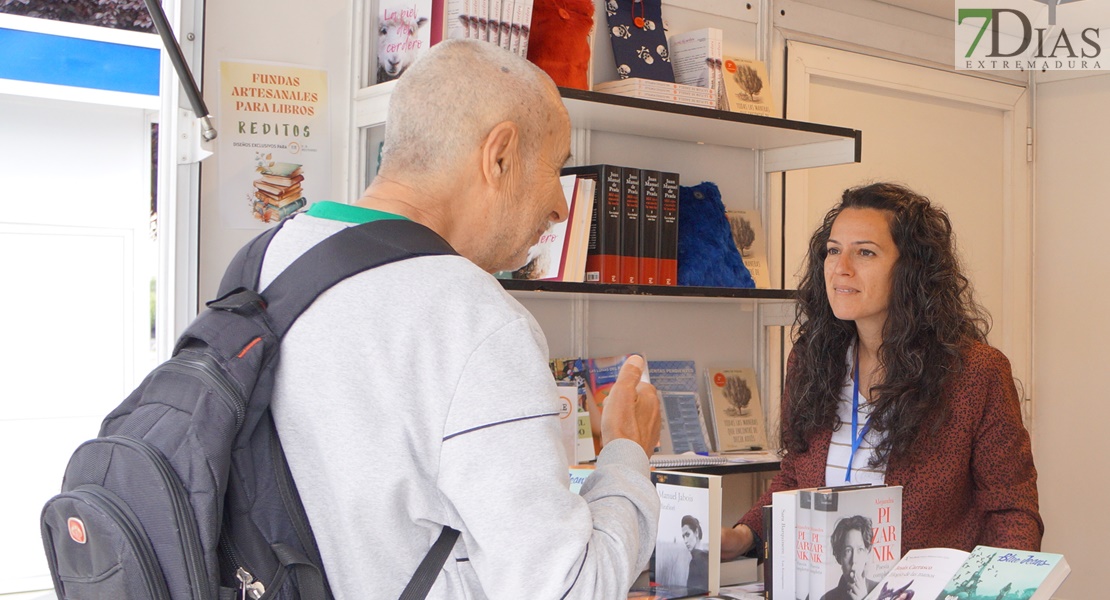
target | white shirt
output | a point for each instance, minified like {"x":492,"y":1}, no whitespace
{"x":840,"y":447}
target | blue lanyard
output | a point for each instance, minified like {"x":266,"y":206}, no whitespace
{"x":856,"y":439}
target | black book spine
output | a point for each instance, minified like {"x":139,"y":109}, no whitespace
{"x":630,"y":226}
{"x":649,"y":226}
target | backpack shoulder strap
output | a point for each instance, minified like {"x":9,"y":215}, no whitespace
{"x":348,"y":252}
{"x":246,"y":266}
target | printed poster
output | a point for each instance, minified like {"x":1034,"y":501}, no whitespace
{"x":274,"y":142}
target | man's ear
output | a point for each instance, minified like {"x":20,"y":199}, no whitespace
{"x":499,"y":150}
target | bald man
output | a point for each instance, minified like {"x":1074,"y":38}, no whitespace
{"x":418,"y":395}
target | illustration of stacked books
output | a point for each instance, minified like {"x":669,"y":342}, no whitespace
{"x":278,"y":194}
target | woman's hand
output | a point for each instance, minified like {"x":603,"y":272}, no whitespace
{"x":736,"y":541}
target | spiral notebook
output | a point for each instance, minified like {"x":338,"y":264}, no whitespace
{"x":689,"y":459}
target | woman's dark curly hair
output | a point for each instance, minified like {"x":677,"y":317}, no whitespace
{"x":932,"y":316}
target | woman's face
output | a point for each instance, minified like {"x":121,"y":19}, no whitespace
{"x":859,"y":266}
{"x":690,"y":537}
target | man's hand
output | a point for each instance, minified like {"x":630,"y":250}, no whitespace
{"x":632,"y":408}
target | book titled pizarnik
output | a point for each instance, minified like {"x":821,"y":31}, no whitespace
{"x":854,"y":539}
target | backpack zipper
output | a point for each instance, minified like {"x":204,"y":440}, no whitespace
{"x":212,"y":374}
{"x":194,"y":555}
{"x":118,"y":511}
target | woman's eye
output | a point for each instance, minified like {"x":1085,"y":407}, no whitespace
{"x":832,"y":251}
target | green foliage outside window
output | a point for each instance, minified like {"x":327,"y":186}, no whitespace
{"x":131,"y":15}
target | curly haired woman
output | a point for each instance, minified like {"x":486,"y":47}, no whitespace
{"x":891,"y":380}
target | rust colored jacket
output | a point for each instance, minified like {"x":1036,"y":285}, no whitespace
{"x":974,"y":484}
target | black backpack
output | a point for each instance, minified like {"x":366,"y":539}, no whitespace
{"x":186,"y":494}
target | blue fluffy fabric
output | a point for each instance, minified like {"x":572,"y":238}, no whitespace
{"x":707,"y":255}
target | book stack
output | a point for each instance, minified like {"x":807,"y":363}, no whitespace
{"x":633,"y":235}
{"x":697,"y":60}
{"x":504,"y":23}
{"x":278,"y":193}
{"x":662,"y":91}
{"x":841,"y":541}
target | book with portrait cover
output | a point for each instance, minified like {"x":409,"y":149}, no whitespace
{"x":737,"y":413}
{"x":854,"y":537}
{"x":746,"y":86}
{"x":603,"y":246}
{"x":984,"y":573}
{"x":687,"y":558}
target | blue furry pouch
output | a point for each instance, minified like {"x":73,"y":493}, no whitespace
{"x":707,"y":254}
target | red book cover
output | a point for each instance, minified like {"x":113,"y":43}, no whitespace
{"x":603,"y":248}
{"x":630,"y":225}
{"x":668,"y":229}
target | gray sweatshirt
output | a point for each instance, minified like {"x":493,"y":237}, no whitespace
{"x":418,"y":394}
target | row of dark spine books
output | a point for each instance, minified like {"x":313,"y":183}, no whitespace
{"x":634,"y":229}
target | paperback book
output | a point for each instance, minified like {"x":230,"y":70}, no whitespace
{"x":737,"y":413}
{"x":573,"y":370}
{"x":854,"y":539}
{"x":601,"y":374}
{"x":578,"y":476}
{"x":747,"y":234}
{"x":404,"y":33}
{"x":696,"y":60}
{"x":683,"y":428}
{"x":746,"y":86}
{"x":568,"y":412}
{"x":560,"y":253}
{"x":783,"y":542}
{"x":985,"y":573}
{"x":687,"y":559}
